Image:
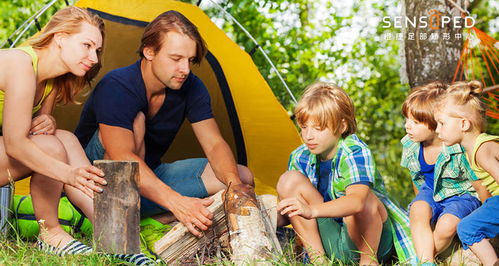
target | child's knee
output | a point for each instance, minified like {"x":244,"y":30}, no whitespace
{"x":446,"y":226}
{"x":420,"y":211}
{"x":288,"y":182}
{"x":373,"y":208}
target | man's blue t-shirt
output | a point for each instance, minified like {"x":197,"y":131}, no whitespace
{"x":121,"y":95}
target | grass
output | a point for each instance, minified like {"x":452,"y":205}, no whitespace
{"x":17,"y":251}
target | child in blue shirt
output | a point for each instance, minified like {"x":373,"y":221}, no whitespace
{"x":441,"y":175}
{"x":332,"y":193}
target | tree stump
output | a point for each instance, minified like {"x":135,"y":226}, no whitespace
{"x":117,"y":208}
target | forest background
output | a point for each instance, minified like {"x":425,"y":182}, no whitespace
{"x":308,"y":40}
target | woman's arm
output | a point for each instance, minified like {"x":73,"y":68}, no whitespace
{"x":44,"y":122}
{"x":20,"y":84}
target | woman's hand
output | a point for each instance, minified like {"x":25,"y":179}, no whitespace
{"x":294,"y":206}
{"x":43,"y":124}
{"x":85,"y":179}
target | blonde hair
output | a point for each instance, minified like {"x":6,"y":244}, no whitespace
{"x":421,"y":103}
{"x":68,"y":20}
{"x":328,"y":105}
{"x":463,"y":99}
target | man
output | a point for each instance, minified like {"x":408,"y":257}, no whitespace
{"x":135,"y":112}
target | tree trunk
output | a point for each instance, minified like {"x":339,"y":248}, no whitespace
{"x":117,"y":208}
{"x":426,"y":58}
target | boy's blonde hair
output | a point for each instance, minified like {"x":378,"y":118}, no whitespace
{"x":69,"y":20}
{"x":463,"y":99}
{"x":328,"y":105}
{"x":421,"y":103}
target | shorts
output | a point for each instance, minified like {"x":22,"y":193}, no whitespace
{"x":183,"y":176}
{"x":459,"y":206}
{"x":338,"y":245}
{"x":480,"y":224}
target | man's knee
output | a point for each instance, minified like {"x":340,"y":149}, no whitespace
{"x":246,"y":175}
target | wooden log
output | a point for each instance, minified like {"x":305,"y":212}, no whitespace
{"x":117,"y":208}
{"x":179,"y":244}
{"x":250,"y":241}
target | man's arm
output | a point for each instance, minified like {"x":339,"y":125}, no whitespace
{"x":192,"y":212}
{"x":217,"y":151}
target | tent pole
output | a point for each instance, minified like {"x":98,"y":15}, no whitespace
{"x":259,"y":48}
{"x":26,"y":25}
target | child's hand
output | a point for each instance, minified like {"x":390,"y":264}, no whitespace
{"x":294,"y":206}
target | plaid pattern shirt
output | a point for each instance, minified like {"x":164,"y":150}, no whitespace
{"x":354,"y":163}
{"x":453,"y":174}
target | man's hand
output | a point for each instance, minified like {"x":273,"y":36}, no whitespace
{"x":43,"y":124}
{"x":193,"y":213}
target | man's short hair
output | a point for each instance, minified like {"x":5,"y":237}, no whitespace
{"x":171,"y":21}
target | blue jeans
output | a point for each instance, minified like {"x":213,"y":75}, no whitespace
{"x":183,"y":176}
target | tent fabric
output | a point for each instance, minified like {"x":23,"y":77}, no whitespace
{"x":252,"y":121}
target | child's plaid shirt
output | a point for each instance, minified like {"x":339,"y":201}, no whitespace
{"x":354,"y":163}
{"x":453,"y":174}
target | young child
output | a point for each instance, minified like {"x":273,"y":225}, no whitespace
{"x":441,"y":176}
{"x":332,"y":193}
{"x":461,"y":120}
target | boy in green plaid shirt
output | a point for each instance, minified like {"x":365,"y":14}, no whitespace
{"x":332,"y":193}
{"x":441,"y":175}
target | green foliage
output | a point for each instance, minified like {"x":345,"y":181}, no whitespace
{"x":308,"y":41}
{"x":13,"y":14}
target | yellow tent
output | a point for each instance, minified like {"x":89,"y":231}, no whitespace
{"x":252,"y":121}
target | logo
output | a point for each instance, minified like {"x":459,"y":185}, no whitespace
{"x":434,"y":20}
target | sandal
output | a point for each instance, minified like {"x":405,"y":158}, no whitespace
{"x":72,"y":248}
{"x":137,"y":259}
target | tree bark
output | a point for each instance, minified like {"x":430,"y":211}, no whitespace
{"x":179,"y":245}
{"x":429,"y":59}
{"x":250,"y":241}
{"x":117,"y":208}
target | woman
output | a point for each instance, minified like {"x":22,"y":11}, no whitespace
{"x":53,"y":69}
